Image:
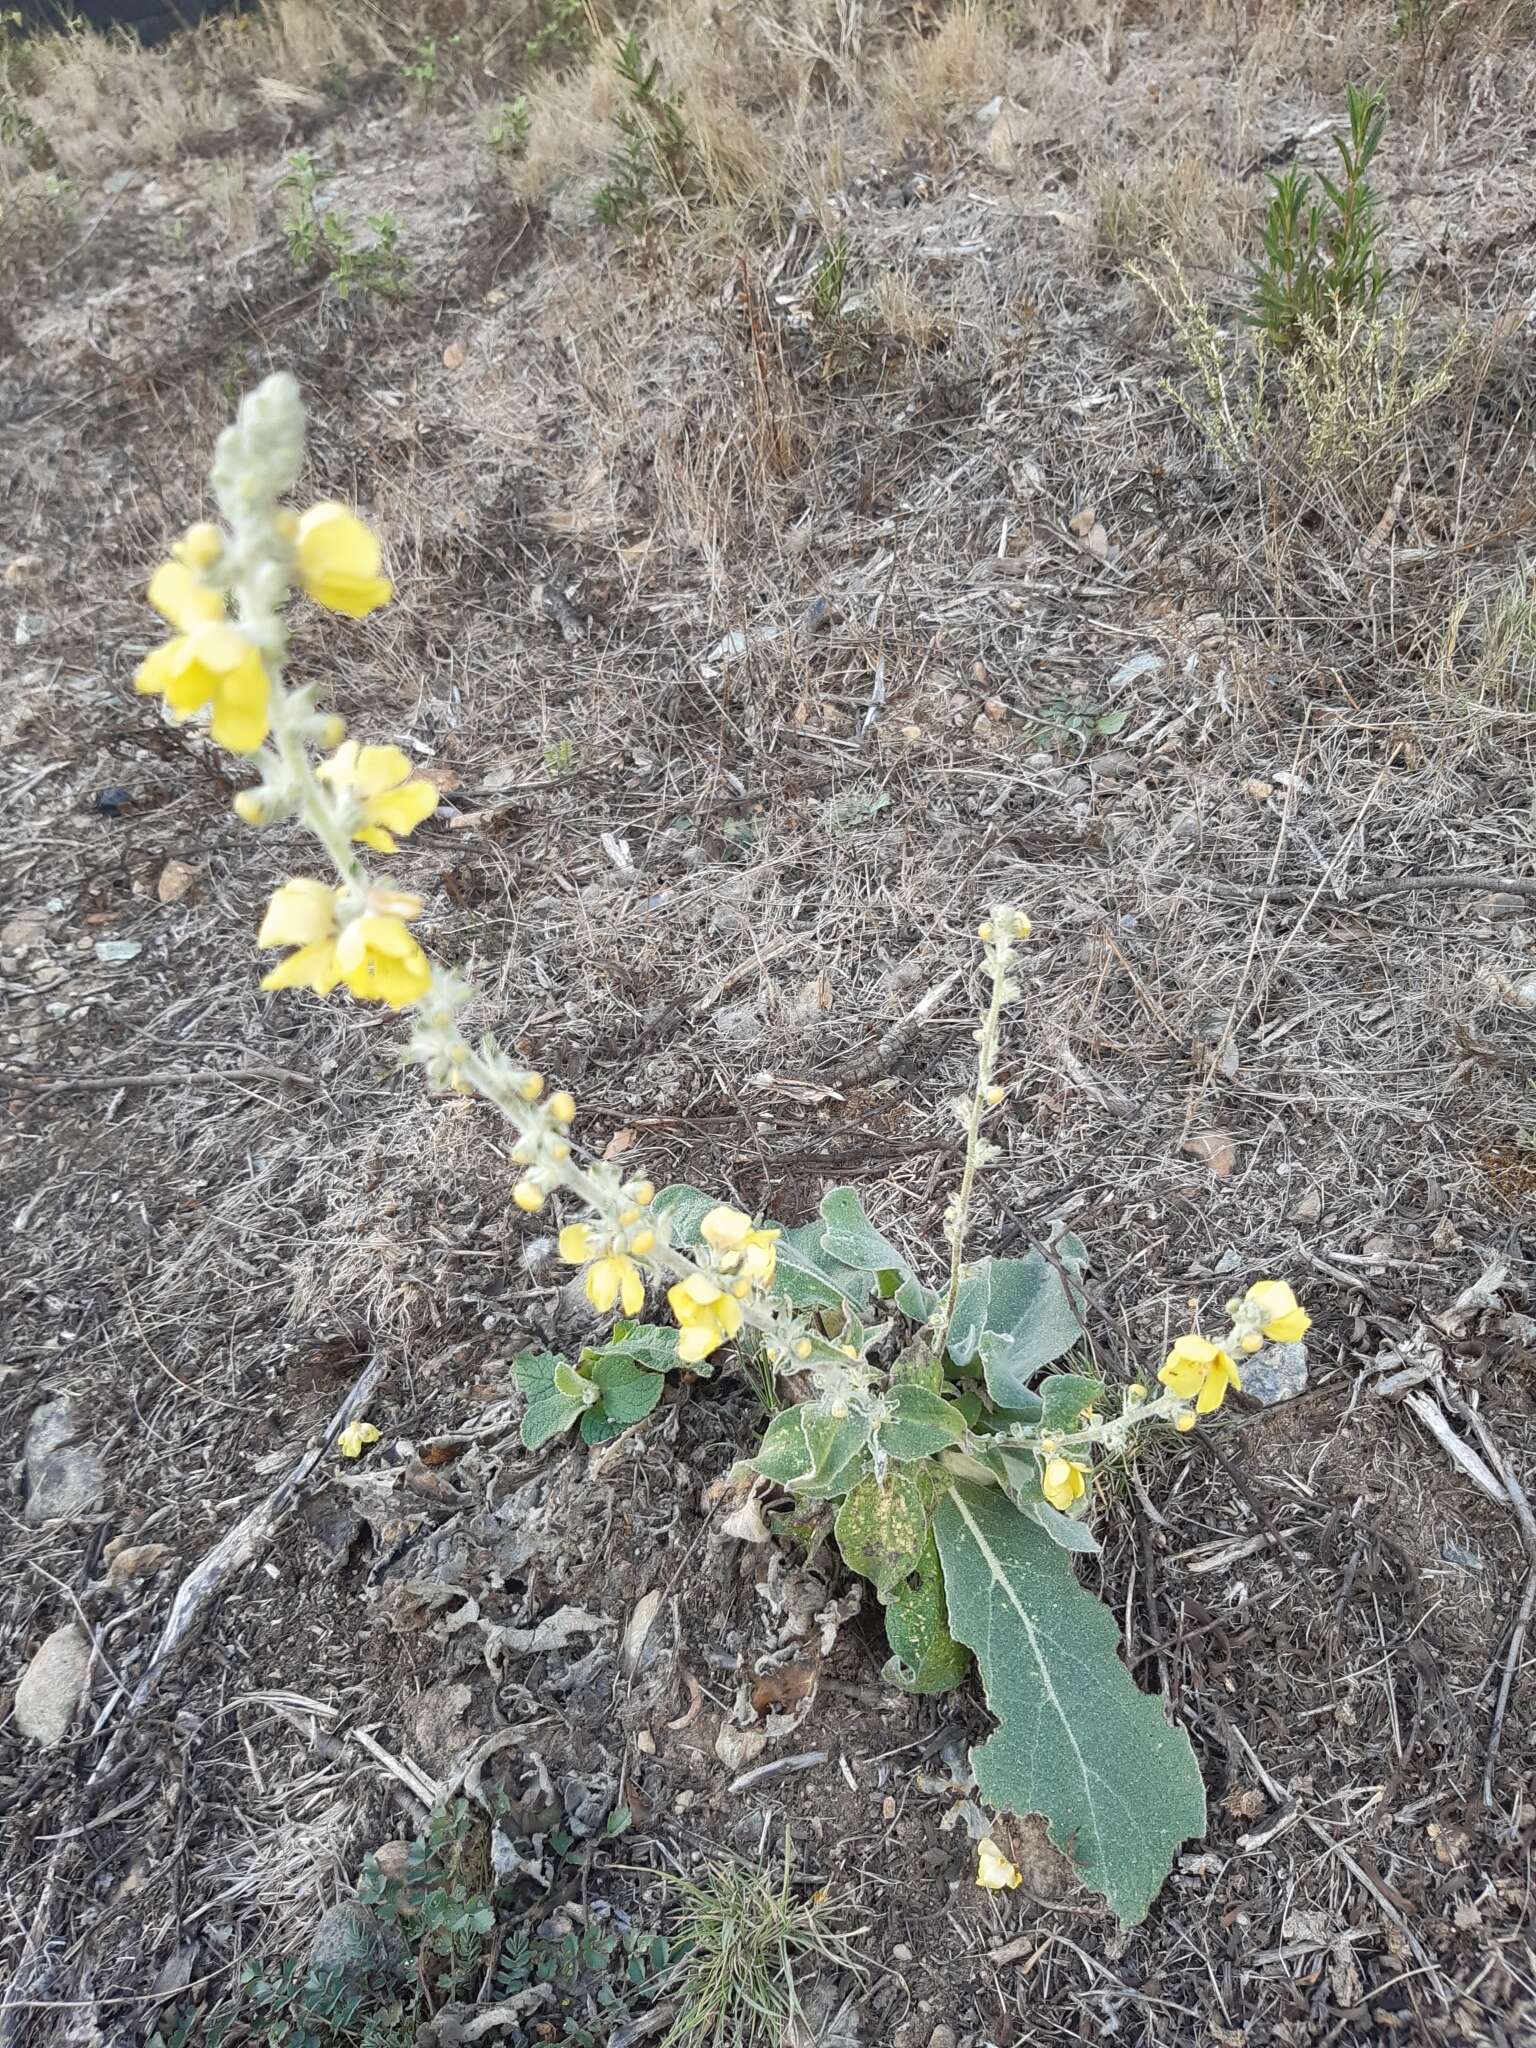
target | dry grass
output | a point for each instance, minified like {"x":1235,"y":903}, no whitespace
{"x":1180,"y":206}
{"x":938,"y":75}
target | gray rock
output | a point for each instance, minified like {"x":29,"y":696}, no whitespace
{"x":1277,"y":1373}
{"x":351,"y":1940}
{"x":67,"y":1486}
{"x":66,"y":1481}
{"x":53,"y":1686}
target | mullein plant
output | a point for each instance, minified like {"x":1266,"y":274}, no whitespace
{"x":914,"y":1419}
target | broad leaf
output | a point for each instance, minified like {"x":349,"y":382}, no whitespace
{"x":882,"y":1529}
{"x":650,"y":1345}
{"x":1017,"y":1316}
{"x":924,"y":1655}
{"x":685,"y":1209}
{"x":917,"y":1368}
{"x":849,"y":1237}
{"x":1077,"y":1741}
{"x":628,"y":1392}
{"x":570,"y":1385}
{"x":548,"y":1411}
{"x":918,"y":1423}
{"x":918,"y":1303}
{"x":810,"y":1278}
{"x":1064,"y":1397}
{"x":813,"y":1452}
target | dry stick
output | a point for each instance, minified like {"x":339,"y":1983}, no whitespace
{"x":1404,"y":885}
{"x":233,"y":1552}
{"x":164,"y":1077}
{"x":1520,"y":1502}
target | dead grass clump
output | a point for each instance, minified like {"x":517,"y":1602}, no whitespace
{"x":930,"y":78}
{"x":100,"y":100}
{"x":1180,"y":203}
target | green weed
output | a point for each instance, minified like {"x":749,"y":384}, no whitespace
{"x":1319,"y":269}
{"x":655,"y":146}
{"x":318,"y":238}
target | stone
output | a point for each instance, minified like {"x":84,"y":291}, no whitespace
{"x":66,"y":1481}
{"x":176,"y":881}
{"x":738,"y":1747}
{"x":53,"y":1686}
{"x":351,"y":1940}
{"x":1277,"y":1373}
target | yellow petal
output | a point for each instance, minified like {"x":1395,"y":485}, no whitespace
{"x":632,"y":1293}
{"x":157,"y":668}
{"x":311,"y":967}
{"x":337,"y":561}
{"x":200,"y":546}
{"x":300,"y":913}
{"x":355,"y":1438}
{"x":1288,"y":1329}
{"x":180,"y":598}
{"x":402,"y":809}
{"x":241,"y":719}
{"x":1182,"y":1378}
{"x":376,"y":837}
{"x":697,"y":1342}
{"x":994,"y":1872}
{"x":379,"y":768}
{"x":575,"y":1243}
{"x":603,"y":1278}
{"x":725,"y":1229}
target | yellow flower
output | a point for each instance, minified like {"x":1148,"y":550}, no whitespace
{"x":200,"y":546}
{"x":388,"y":798}
{"x":1063,"y":1482}
{"x":373,"y":954}
{"x":182,"y":599}
{"x":1199,"y":1372}
{"x":994,"y":1873}
{"x":355,"y":1439}
{"x":1277,"y":1312}
{"x":576,"y":1243}
{"x":615,"y":1278}
{"x":211,"y":665}
{"x":380,"y":961}
{"x":706,"y":1317}
{"x":740,"y":1247}
{"x":302,"y":914}
{"x":336,"y":560}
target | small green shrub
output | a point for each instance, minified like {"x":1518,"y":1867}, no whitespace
{"x":1319,"y":268}
{"x":655,"y":146}
{"x":564,"y":32}
{"x":507,"y":131}
{"x":318,"y":238}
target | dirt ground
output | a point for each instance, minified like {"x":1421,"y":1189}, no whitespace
{"x":1005,"y":628}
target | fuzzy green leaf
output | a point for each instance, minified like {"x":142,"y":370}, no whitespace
{"x":1077,"y":1741}
{"x":1064,"y":1396}
{"x":924,"y":1655}
{"x":919,"y":1422}
{"x":685,"y":1209}
{"x":628,"y":1393}
{"x":813,"y":1452}
{"x":648,"y":1344}
{"x":570,"y":1386}
{"x":809,"y":1277}
{"x":918,"y":1303}
{"x":881,"y":1529}
{"x":1017,"y":1316}
{"x":849,"y":1237}
{"x":548,"y":1411}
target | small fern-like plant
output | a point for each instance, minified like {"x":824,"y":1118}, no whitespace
{"x":1319,"y":267}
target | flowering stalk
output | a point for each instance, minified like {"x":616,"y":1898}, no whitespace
{"x":999,"y":934}
{"x":357,"y":931}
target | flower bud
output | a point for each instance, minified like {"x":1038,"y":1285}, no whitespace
{"x":527,"y":1196}
{"x":562,"y":1107}
{"x":530,"y":1086}
{"x":1185,"y":1423}
{"x":250,"y":808}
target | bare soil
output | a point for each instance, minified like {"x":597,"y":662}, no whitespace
{"x":1279,"y":859}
